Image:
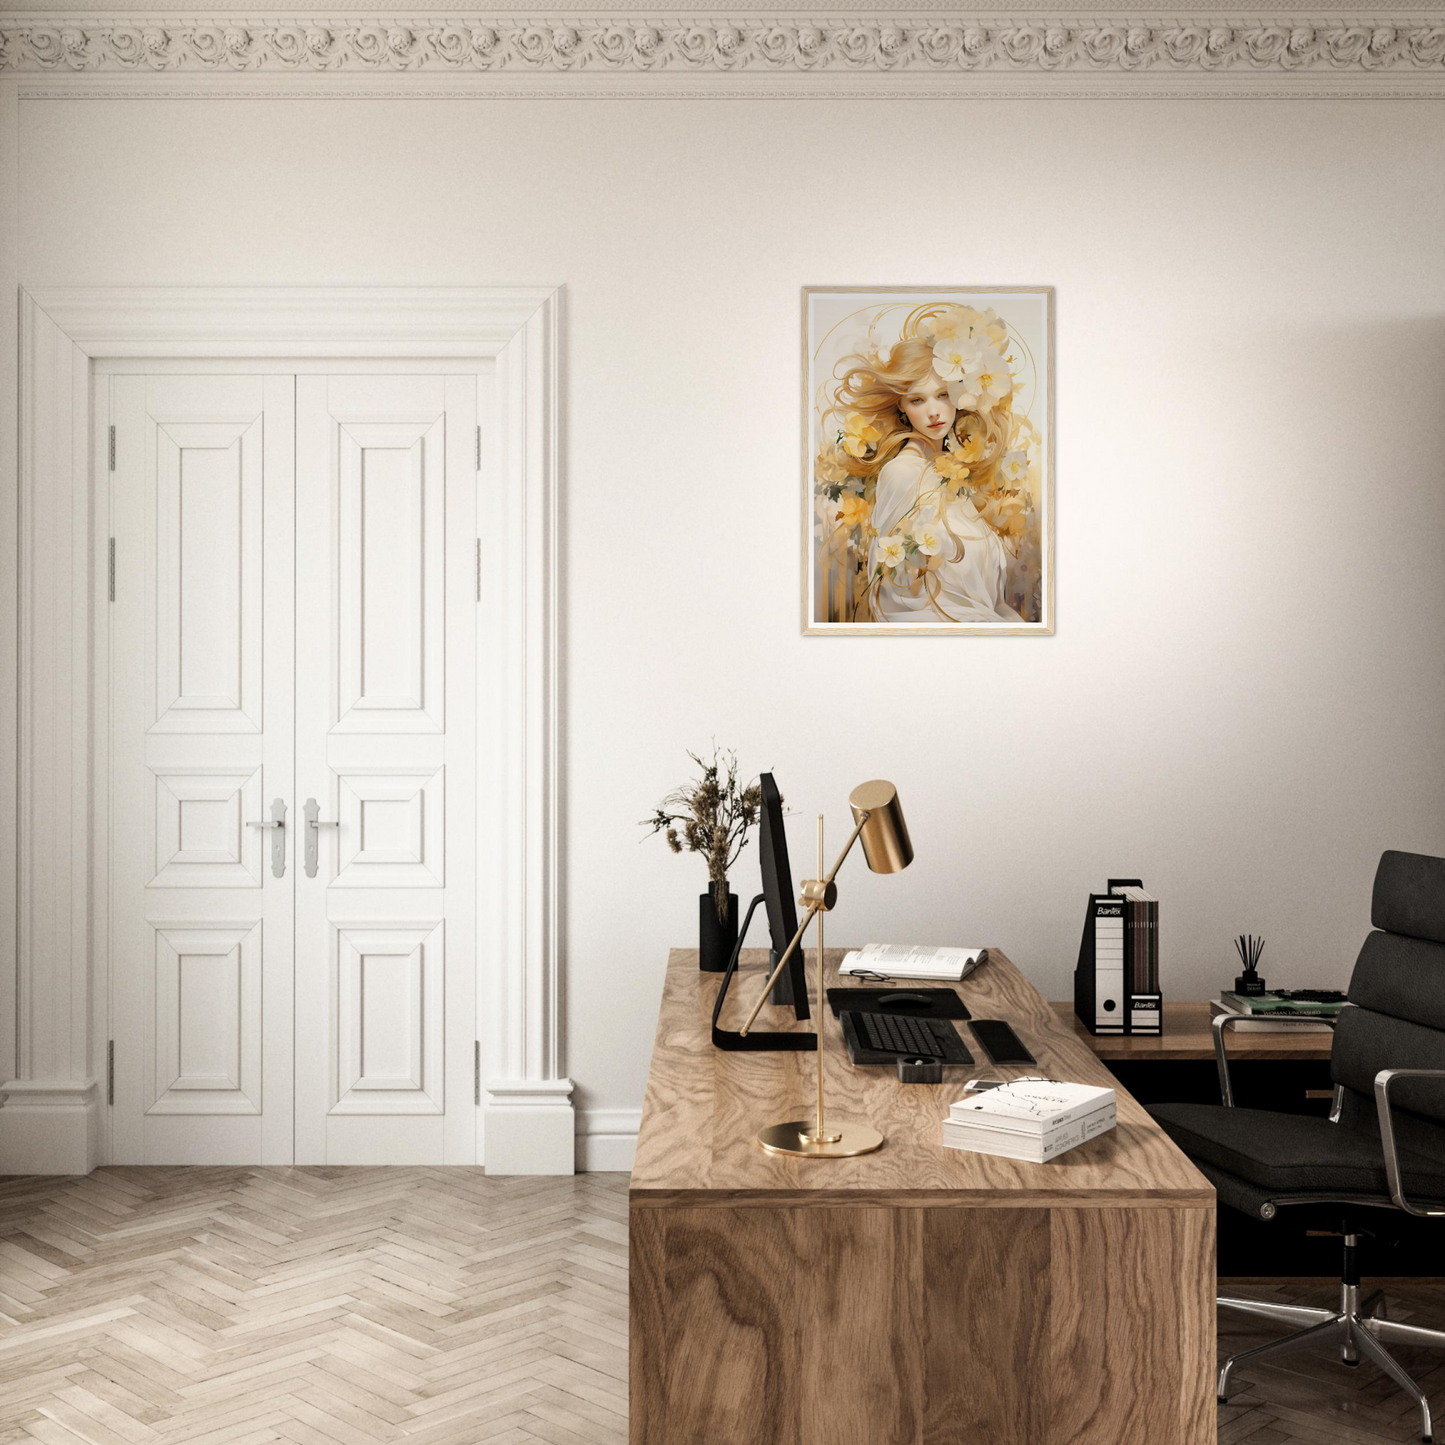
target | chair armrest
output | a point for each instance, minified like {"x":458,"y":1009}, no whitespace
{"x":1223,"y":1021}
{"x":1383,"y":1080}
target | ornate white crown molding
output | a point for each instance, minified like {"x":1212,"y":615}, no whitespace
{"x":1405,"y":56}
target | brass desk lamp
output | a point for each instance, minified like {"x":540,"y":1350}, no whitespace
{"x":878,"y":821}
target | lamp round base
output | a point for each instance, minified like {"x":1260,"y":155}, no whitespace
{"x":794,"y":1138}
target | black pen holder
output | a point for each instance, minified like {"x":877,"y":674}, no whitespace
{"x":1251,"y":985}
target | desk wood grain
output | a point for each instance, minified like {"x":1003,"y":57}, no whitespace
{"x":919,"y":1295}
{"x":704,"y":1107}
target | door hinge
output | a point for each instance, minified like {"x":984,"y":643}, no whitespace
{"x":479,"y":447}
{"x":479,"y":569}
{"x":110,"y":569}
{"x":477,"y":1072}
{"x":110,"y":1072}
{"x":112,"y":448}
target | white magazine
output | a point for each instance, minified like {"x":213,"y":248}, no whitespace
{"x":902,"y":960}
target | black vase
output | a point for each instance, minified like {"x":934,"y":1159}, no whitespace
{"x":716,"y":941}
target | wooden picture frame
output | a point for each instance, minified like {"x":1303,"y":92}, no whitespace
{"x":928,"y":460}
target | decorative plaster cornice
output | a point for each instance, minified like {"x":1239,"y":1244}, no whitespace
{"x":922,"y":48}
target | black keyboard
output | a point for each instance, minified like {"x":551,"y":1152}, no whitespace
{"x":902,"y":1037}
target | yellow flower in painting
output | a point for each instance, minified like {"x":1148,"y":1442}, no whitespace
{"x":829,"y":468}
{"x":994,"y":329}
{"x":852,"y":512}
{"x":971,"y":447}
{"x":951,"y":468}
{"x":1004,"y":511}
{"x":943,"y":327}
{"x":965,"y":323}
{"x":859,"y":434}
{"x":956,"y":323}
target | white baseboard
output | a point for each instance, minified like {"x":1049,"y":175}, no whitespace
{"x":530,"y":1127}
{"x":49,"y":1126}
{"x":607,"y":1139}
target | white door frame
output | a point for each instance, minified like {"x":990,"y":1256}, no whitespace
{"x":54,"y":991}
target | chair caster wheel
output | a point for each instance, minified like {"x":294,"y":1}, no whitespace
{"x":1353,"y":1364}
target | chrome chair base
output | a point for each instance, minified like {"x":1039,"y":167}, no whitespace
{"x":1360,"y":1327}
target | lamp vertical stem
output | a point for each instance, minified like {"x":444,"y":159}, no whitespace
{"x":821,"y":998}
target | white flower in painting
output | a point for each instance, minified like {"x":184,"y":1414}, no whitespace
{"x":986,"y":382}
{"x":929,"y":537}
{"x":890,"y":551}
{"x":951,"y":358}
{"x":1014,"y":468}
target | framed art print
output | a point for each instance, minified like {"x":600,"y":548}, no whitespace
{"x":928,"y":471}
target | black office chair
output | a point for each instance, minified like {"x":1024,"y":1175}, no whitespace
{"x":1383,"y":1146}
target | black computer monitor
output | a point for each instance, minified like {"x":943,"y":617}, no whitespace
{"x":791,"y":987}
{"x":777,"y":897}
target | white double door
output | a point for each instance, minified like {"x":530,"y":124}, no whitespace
{"x":292,"y":642}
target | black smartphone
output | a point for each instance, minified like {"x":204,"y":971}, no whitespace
{"x":1000,"y":1042}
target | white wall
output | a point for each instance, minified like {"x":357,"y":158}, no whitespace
{"x":1243,"y":700}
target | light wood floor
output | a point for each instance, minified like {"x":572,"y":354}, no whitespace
{"x":320,"y":1306}
{"x":429,"y":1306}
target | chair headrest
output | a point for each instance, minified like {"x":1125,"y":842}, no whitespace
{"x":1409,"y":895}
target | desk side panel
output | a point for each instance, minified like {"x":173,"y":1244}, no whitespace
{"x":868,"y":1326}
{"x":1132,"y":1326}
{"x":985,"y":1309}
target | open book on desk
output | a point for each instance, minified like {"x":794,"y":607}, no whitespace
{"x":902,"y":960}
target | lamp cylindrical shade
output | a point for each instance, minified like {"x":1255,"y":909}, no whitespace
{"x":885,"y":840}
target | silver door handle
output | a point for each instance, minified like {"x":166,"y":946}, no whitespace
{"x":278,"y":843}
{"x":312,"y":809}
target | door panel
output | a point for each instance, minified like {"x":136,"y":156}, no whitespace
{"x":390,"y":574}
{"x":201,"y":744}
{"x":385,"y":674}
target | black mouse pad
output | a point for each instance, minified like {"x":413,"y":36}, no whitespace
{"x":915,"y":1003}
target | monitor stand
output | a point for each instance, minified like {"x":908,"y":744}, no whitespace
{"x":758,"y":1040}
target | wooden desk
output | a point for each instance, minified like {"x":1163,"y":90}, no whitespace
{"x":919,"y":1295}
{"x":1188,"y":1036}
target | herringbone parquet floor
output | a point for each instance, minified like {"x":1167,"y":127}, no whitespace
{"x":429,"y":1307}
{"x":318,"y":1306}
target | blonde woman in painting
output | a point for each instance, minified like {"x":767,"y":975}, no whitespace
{"x":926,"y":425}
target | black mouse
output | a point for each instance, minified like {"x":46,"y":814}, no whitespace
{"x":902,"y":999}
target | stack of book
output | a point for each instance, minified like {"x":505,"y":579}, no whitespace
{"x":1141,"y":939}
{"x":1031,"y":1119}
{"x":1265,"y":1012}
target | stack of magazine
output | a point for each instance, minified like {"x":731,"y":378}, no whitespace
{"x":1270,"y":1012}
{"x":1031,"y":1119}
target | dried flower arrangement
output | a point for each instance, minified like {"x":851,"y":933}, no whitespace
{"x":711,"y":816}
